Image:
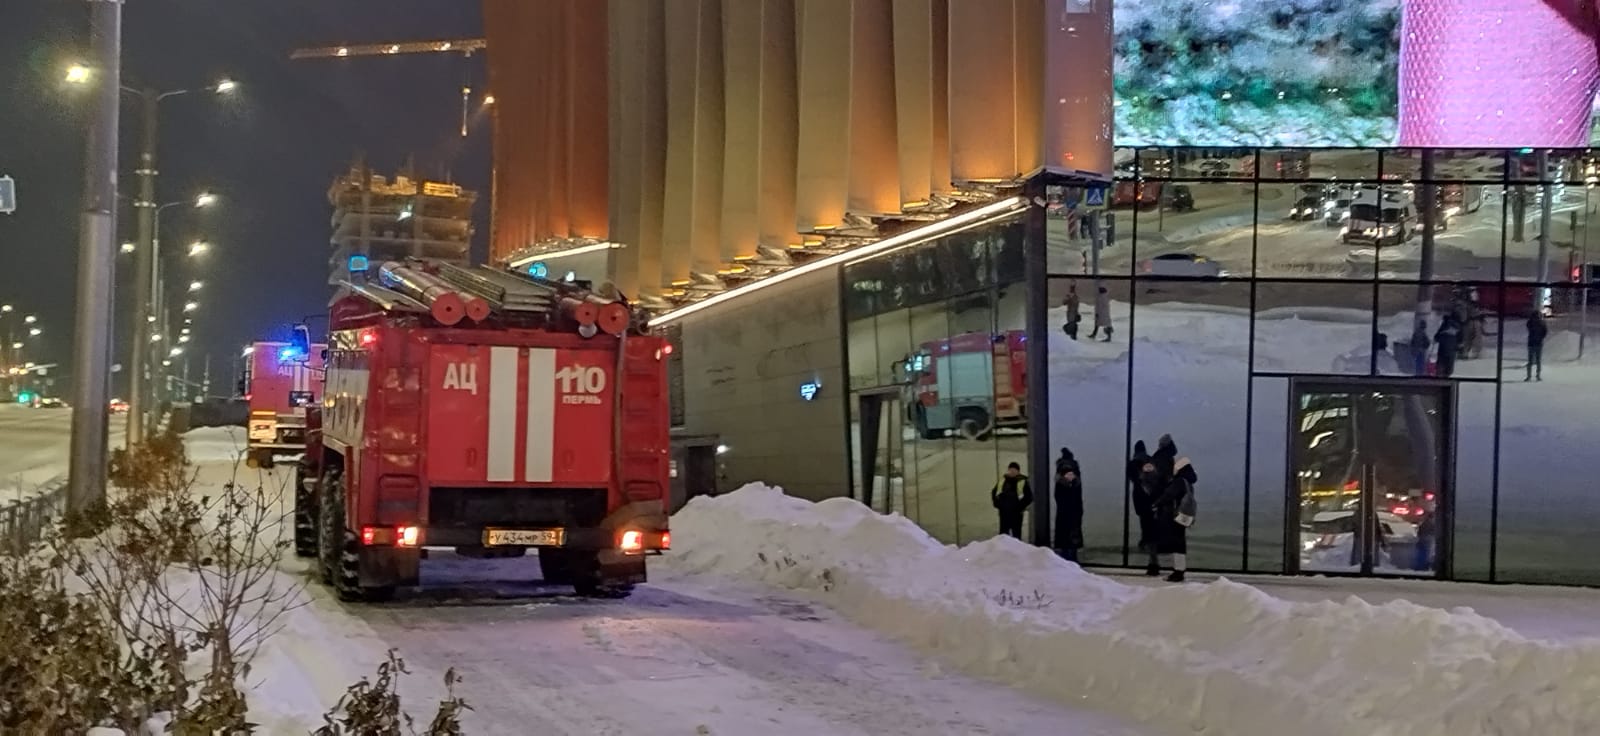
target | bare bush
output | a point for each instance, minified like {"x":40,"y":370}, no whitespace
{"x":373,"y":708}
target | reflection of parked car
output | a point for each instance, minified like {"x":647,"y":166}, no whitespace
{"x":1182,"y":265}
{"x":118,"y":406}
{"x":1180,"y":198}
{"x":1337,"y":529}
{"x":1307,"y":208}
{"x":51,"y":403}
{"x":1380,"y":218}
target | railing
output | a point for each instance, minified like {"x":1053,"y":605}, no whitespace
{"x":22,"y":523}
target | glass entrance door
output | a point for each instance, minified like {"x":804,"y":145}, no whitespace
{"x":1369,"y":486}
{"x":881,"y":451}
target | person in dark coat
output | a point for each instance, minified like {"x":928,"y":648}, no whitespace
{"x":1012,"y":497}
{"x":1102,"y":314}
{"x":1147,"y":486}
{"x":1172,"y":545}
{"x":1067,"y":461}
{"x":1069,"y":511}
{"x":1537,"y":331}
{"x":1074,"y":312}
{"x":1448,"y":338}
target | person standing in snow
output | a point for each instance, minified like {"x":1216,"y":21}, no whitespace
{"x":1069,"y":510}
{"x":1011,"y":497}
{"x":1537,"y":331}
{"x":1102,"y":314}
{"x":1074,"y":312}
{"x":1146,"y":487}
{"x":1174,"y":512}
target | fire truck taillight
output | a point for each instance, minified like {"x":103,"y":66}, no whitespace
{"x":407,"y":536}
{"x":369,"y":535}
{"x":666,"y":540}
{"x":367,"y":338}
{"x":385,"y":536}
{"x":632,"y":541}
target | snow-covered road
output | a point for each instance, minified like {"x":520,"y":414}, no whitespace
{"x":686,"y":655}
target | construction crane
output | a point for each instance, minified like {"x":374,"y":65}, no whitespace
{"x":464,"y":46}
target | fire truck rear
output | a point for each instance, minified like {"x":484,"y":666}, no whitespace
{"x":281,"y":381}
{"x":489,"y":412}
{"x":973,"y":383}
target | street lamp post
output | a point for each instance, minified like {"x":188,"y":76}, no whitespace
{"x":97,"y":259}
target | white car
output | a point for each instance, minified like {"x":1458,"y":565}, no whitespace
{"x":1182,"y":265}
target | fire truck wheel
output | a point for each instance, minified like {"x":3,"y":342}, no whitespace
{"x":581,"y":570}
{"x":975,"y":424}
{"x":305,"y":516}
{"x":330,"y":523}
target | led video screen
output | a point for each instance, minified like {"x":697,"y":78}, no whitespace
{"x":1448,"y":73}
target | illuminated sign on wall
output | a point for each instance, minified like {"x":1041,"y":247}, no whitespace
{"x":1356,"y":73}
{"x":809,"y":389}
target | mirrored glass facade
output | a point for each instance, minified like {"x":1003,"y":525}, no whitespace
{"x":1378,"y":361}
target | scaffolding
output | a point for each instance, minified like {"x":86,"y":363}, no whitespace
{"x":378,"y":219}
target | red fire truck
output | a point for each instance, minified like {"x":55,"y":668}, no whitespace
{"x":281,"y":381}
{"x":489,"y":412}
{"x":973,"y":383}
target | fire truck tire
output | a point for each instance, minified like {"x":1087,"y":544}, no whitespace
{"x":580,"y":569}
{"x":975,"y":424}
{"x":305,"y":515}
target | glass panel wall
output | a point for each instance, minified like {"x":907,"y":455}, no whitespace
{"x":934,"y":339}
{"x":1429,"y":291}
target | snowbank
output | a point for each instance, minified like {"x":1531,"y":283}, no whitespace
{"x":1222,"y":658}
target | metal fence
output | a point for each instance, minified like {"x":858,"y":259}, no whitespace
{"x":22,"y":523}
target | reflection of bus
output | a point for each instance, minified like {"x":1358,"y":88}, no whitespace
{"x":973,"y":383}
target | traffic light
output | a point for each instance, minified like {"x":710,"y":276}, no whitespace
{"x":25,"y":397}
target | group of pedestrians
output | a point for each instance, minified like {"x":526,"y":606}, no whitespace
{"x":1102,"y":314}
{"x":1163,"y":498}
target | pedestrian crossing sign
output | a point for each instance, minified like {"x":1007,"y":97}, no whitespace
{"x":1095,"y":197}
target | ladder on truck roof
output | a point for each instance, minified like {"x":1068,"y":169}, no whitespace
{"x":449,"y":294}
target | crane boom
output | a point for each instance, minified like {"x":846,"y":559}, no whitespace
{"x":464,"y":46}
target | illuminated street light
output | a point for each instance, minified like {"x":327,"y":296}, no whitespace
{"x":225,"y":86}
{"x":183,"y":338}
{"x":166,"y":364}
{"x":6,"y":308}
{"x":175,"y":352}
{"x":191,"y":306}
{"x":196,"y":285}
{"x":79,"y":74}
{"x":488,"y":99}
{"x":198,"y":247}
{"x":16,"y":346}
{"x":35,"y":332}
{"x":30,"y":319}
{"x":206,"y":199}
{"x":156,"y":337}
{"x":128,"y":247}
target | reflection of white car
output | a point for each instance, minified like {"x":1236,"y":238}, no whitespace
{"x":1337,"y":530}
{"x":1182,"y":265}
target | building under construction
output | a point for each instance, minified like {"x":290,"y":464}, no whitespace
{"x":376,"y":219}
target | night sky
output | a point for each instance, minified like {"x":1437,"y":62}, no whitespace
{"x":270,"y":150}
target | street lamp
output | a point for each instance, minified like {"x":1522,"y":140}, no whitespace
{"x":6,"y":308}
{"x":225,"y":85}
{"x":128,"y":248}
{"x":198,"y":247}
{"x":175,"y":352}
{"x":191,"y":306}
{"x":79,"y":74}
{"x":206,"y":199}
{"x":35,"y":332}
{"x":196,"y":285}
{"x":30,"y":319}
{"x":16,"y":346}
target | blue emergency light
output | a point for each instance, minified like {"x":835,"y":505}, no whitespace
{"x":359,"y":263}
{"x":538,"y":269}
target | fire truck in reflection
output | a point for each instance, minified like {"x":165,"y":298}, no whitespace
{"x":281,"y":381}
{"x":973,"y":384}
{"x":490,"y":412}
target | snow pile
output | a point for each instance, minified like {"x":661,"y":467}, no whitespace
{"x":1222,"y":658}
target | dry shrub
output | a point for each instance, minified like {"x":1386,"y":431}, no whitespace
{"x":372,"y":707}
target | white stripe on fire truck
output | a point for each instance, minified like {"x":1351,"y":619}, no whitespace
{"x":539,"y":460}
{"x":502,"y":459}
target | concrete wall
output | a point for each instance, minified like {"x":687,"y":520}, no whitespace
{"x":743,"y":367}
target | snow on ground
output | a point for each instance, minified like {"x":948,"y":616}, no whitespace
{"x":1222,"y":658}
{"x":686,"y":654}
